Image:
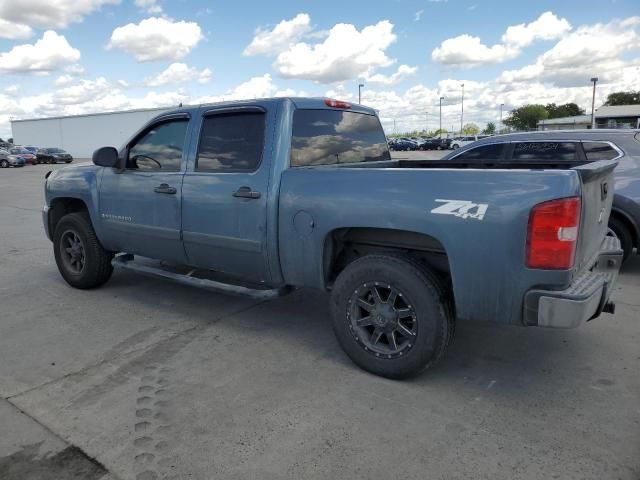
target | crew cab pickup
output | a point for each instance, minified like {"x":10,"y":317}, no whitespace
{"x":260,"y":197}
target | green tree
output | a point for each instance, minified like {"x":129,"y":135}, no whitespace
{"x":440,"y":131}
{"x":526,"y":117}
{"x":623,"y":98}
{"x":564,"y":110}
{"x":471,"y":129}
{"x":490,"y":129}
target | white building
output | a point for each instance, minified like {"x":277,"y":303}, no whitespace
{"x":81,"y":135}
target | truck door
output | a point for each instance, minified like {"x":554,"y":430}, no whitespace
{"x":140,"y":208}
{"x":224,"y":196}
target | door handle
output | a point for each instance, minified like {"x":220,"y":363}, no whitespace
{"x":246,"y":192}
{"x":164,"y":188}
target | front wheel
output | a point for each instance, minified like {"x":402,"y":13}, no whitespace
{"x":4,"y":164}
{"x":455,"y":146}
{"x":81,"y":260}
{"x":391,"y":316}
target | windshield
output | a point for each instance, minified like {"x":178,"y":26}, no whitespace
{"x":17,"y":151}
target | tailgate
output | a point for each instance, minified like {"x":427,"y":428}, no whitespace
{"x":597,"y":198}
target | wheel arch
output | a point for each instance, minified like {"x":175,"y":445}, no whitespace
{"x":62,"y":206}
{"x":628,"y":221}
{"x":344,"y":245}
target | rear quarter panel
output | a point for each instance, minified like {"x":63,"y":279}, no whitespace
{"x":486,"y":256}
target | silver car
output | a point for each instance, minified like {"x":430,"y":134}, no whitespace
{"x":559,"y":148}
{"x":8,"y":160}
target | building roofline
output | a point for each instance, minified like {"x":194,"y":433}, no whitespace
{"x":112,"y":112}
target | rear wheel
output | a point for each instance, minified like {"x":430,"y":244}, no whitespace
{"x":455,"y":146}
{"x":81,"y":260}
{"x":620,"y":230}
{"x":391,"y":316}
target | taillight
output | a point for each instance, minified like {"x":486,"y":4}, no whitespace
{"x":336,"y":103}
{"x":553,"y":234}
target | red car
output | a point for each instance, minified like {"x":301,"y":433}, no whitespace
{"x":25,"y":154}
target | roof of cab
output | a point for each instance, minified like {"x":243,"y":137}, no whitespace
{"x":299,"y":102}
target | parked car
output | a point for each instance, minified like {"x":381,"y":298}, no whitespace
{"x":53,"y":155}
{"x":333,"y":211}
{"x":403,"y":145}
{"x":31,"y":149}
{"x":8,"y":160}
{"x":26,"y":155}
{"x":460,"y":142}
{"x":437,"y":143}
{"x":561,"y":149}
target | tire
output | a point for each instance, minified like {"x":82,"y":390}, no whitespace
{"x":67,"y":161}
{"x":621,"y":231}
{"x":95,"y":261}
{"x":455,"y":146}
{"x":427,"y":319}
{"x":4,"y":164}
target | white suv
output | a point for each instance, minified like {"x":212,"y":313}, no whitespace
{"x":464,"y":141}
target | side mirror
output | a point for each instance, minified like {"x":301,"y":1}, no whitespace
{"x":106,"y":157}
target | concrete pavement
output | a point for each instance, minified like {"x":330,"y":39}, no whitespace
{"x":155,"y":380}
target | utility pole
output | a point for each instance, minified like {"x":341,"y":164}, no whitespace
{"x":360,"y":86}
{"x":426,"y":123}
{"x":394,"y":126}
{"x":462,"y":111}
{"x":593,"y":103}
{"x":501,"y":124}
{"x":441,"y":98}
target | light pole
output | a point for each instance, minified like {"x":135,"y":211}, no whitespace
{"x":441,"y":98}
{"x":501,"y":124}
{"x":426,"y":122}
{"x":462,"y":111}
{"x":360,"y":86}
{"x":593,"y":103}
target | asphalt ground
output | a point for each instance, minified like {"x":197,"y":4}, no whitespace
{"x":145,"y":379}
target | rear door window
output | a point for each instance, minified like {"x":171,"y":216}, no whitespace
{"x":231,"y":142}
{"x":599,"y":151}
{"x":545,"y":151}
{"x":484,"y":152}
{"x":328,"y":137}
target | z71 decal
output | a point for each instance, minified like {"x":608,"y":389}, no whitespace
{"x":461,"y":208}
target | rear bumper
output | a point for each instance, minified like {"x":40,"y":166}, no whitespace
{"x":584,"y":300}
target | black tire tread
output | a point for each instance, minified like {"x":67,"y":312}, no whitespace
{"x":101,"y":269}
{"x":431,"y":282}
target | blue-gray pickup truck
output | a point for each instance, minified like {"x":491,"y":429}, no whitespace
{"x":260,"y":197}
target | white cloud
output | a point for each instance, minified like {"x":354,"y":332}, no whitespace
{"x":75,"y":69}
{"x":285,"y":33}
{"x":12,"y":90}
{"x":180,"y":73}
{"x":465,"y":50}
{"x":256,"y":87}
{"x":345,"y":54}
{"x":418,"y":15}
{"x":579,"y":55}
{"x":469,"y":51}
{"x":49,"y":13}
{"x":64,"y":80}
{"x":403,"y":72}
{"x":49,"y":53}
{"x":151,"y":6}
{"x":547,"y":27}
{"x":14,"y":31}
{"x":84,"y":91}
{"x":156,"y":39}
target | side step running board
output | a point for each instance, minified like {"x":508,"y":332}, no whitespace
{"x":125,"y":262}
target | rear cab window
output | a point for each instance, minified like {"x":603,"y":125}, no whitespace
{"x":330,"y":137}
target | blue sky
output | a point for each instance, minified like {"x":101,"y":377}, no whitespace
{"x":108,"y":55}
